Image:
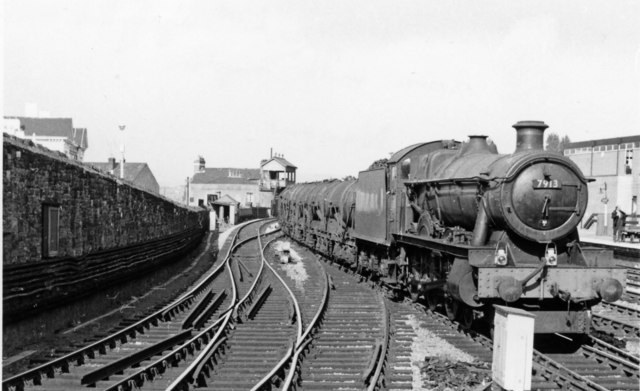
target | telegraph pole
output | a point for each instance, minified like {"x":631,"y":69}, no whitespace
{"x":122,"y":150}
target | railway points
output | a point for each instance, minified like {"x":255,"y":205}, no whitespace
{"x":178,"y":327}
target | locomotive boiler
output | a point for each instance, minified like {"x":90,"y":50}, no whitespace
{"x":459,"y":225}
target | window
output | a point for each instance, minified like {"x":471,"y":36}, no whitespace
{"x":50,"y":230}
{"x":200,"y":202}
{"x":628,"y":161}
{"x":211,"y":198}
{"x":249,"y":198}
{"x":191,"y":199}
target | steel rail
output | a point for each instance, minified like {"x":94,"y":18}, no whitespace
{"x":35,"y":374}
{"x":627,"y":328}
{"x":62,"y":363}
{"x":557,"y":372}
{"x":150,"y":371}
{"x":623,"y":356}
{"x":138,"y":378}
{"x":251,"y":292}
{"x":266,"y":379}
{"x":191,"y":374}
{"x":374,"y":379}
{"x":187,"y":375}
{"x":629,"y":367}
{"x":621,"y":308}
{"x":306,"y":339}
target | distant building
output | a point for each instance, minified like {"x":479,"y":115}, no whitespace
{"x":276,"y":174}
{"x":137,"y":173}
{"x":235,"y":194}
{"x":57,"y":134}
{"x":617,"y":174}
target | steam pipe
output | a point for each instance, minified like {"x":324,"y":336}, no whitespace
{"x":481,"y":229}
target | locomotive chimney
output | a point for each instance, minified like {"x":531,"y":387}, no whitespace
{"x":530,"y":135}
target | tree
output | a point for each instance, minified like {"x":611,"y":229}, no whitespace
{"x":555,"y":143}
{"x":378,"y":163}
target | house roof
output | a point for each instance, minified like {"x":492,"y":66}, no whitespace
{"x":284,"y":162}
{"x":131,"y":170}
{"x":227,"y":176}
{"x":54,"y":127}
{"x":225,"y":200}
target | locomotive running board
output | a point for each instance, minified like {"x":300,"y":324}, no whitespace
{"x":457,"y":250}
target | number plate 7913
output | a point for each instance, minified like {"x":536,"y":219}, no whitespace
{"x":547,"y":184}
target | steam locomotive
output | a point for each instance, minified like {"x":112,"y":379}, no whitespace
{"x":459,"y":225}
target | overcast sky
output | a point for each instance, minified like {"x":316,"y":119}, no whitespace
{"x":333,"y":85}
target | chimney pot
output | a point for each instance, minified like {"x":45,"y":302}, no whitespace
{"x":530,"y":135}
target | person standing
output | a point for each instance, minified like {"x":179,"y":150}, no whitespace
{"x":622,"y":218}
{"x":615,"y":216}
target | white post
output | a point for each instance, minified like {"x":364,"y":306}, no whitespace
{"x":512,"y":348}
{"x":212,"y":220}
{"x":232,"y":214}
{"x":122,"y":151}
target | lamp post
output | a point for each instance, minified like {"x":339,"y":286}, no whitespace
{"x":122,"y":151}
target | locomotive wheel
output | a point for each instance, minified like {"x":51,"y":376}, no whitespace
{"x":451,"y":307}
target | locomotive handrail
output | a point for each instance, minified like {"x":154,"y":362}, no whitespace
{"x":475,"y":179}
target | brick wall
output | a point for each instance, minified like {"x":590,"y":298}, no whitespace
{"x":97,"y":211}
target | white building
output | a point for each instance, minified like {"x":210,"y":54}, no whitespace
{"x":56,"y":134}
{"x":610,"y":162}
{"x":235,"y":194}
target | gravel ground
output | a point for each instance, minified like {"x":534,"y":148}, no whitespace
{"x":272,"y":228}
{"x":426,"y":344}
{"x":295,"y":268}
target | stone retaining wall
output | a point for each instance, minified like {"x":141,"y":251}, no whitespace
{"x":97,"y":211}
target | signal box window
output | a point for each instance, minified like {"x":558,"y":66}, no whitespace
{"x":50,"y":230}
{"x":628,"y":161}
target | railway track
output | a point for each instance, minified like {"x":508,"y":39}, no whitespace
{"x":266,"y":331}
{"x":592,"y":366}
{"x":596,"y":367}
{"x":345,"y":335}
{"x":618,"y":320}
{"x":175,"y":343}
